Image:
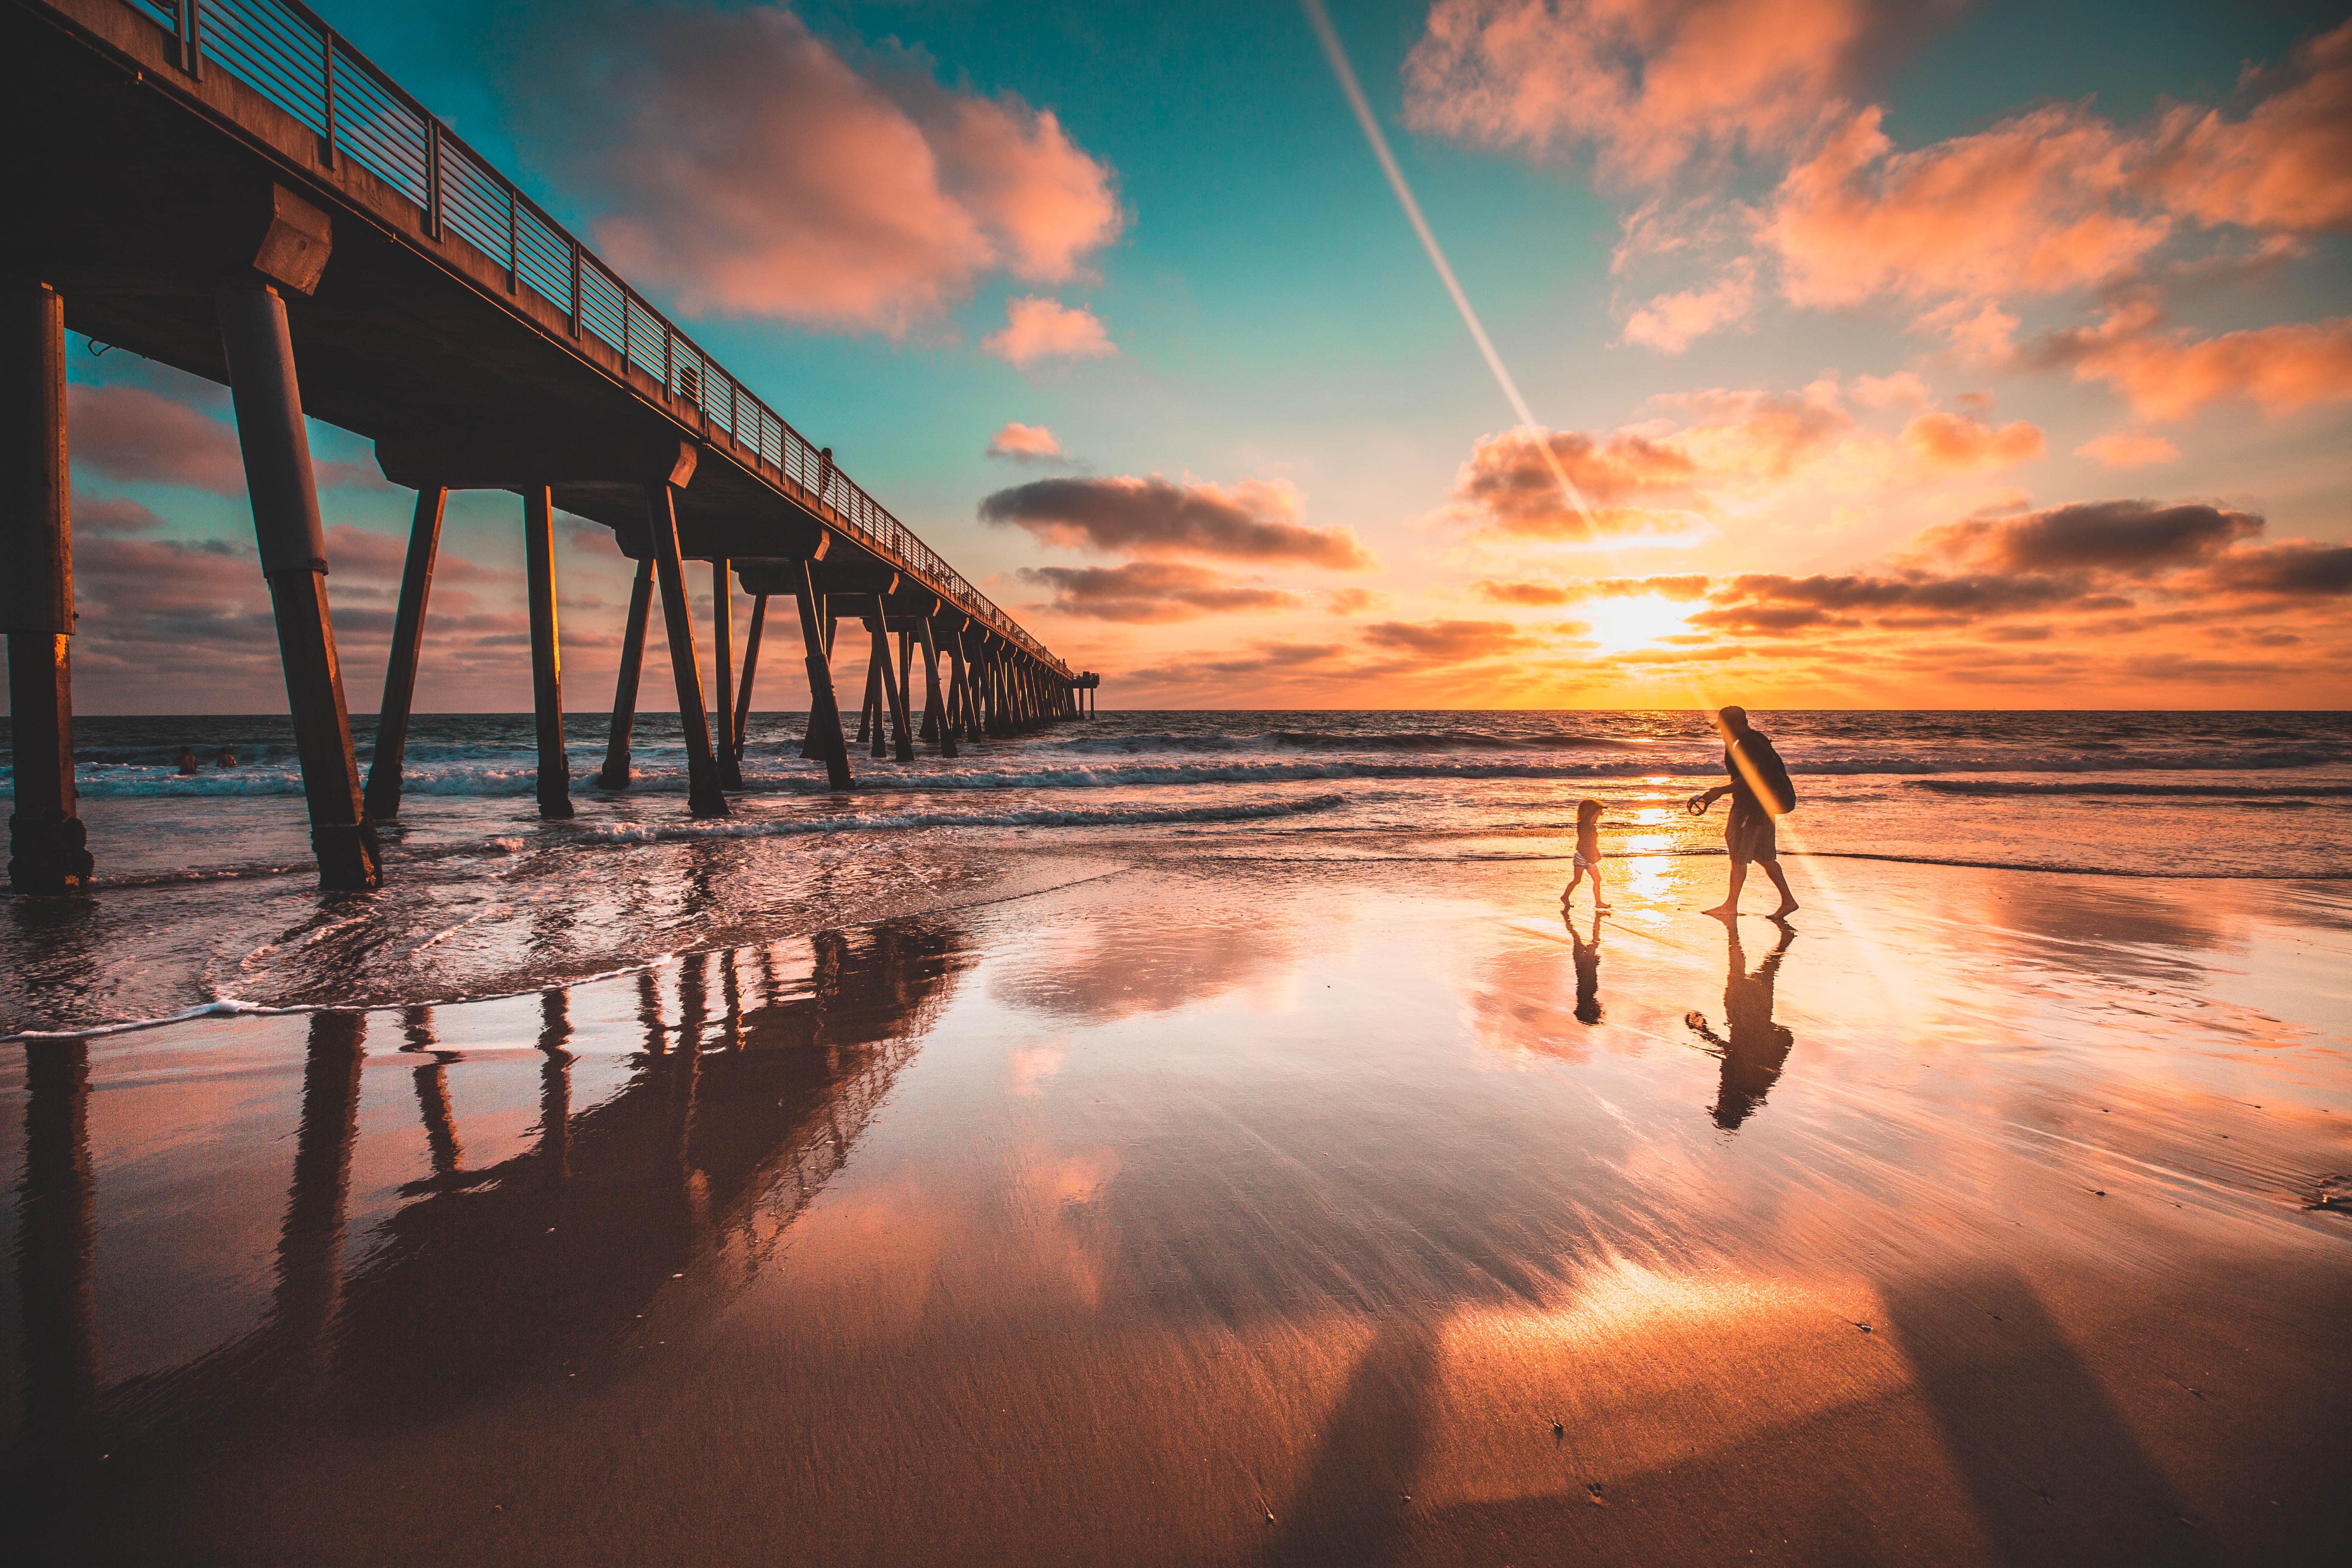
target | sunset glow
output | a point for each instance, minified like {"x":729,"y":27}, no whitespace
{"x":1822,"y":354}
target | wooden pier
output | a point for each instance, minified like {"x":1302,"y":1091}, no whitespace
{"x":228,"y":187}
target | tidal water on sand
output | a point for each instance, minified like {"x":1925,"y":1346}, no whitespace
{"x":210,"y":901}
{"x":1199,"y":1140}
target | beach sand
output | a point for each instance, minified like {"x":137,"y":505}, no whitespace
{"x":1231,"y":1210}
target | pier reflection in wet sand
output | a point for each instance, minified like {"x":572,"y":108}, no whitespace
{"x":1272,"y":1217}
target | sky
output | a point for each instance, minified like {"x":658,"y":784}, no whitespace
{"x":1933,"y":354}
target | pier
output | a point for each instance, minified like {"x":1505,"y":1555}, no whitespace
{"x":230,"y":188}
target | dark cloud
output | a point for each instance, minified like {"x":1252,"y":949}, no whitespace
{"x":2295,"y":568}
{"x":1153,"y":590}
{"x":1266,"y":661}
{"x":1251,"y":521}
{"x":2134,"y":537}
{"x":1975,"y":593}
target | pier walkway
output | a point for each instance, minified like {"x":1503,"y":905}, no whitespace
{"x":227,"y":186}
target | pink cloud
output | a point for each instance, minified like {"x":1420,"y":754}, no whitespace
{"x":759,"y":174}
{"x":133,"y":434}
{"x":2027,"y":206}
{"x":1903,"y":389}
{"x":2286,"y":166}
{"x":1036,"y":328}
{"x":2130,"y":449}
{"x":2170,"y":375}
{"x":1027,"y":443}
{"x":1650,"y":86}
{"x":1953,"y":443}
{"x":1670,"y":322}
{"x":1652,"y":484}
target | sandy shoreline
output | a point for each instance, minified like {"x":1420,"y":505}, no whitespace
{"x":1213,"y":1213}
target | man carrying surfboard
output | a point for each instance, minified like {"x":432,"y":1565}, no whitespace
{"x":1759,"y":791}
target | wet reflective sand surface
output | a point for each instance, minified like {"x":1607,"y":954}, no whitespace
{"x":1213,"y":1212}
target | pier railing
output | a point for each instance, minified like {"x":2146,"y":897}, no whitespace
{"x":283,"y":51}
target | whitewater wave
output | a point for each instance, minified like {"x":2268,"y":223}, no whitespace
{"x":1030,"y":770}
{"x":1105,"y":817}
{"x":2010,"y":787}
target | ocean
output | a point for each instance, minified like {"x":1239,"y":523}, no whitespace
{"x":206,"y":903}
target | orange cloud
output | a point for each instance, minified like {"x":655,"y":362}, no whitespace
{"x":2130,"y":449}
{"x":1681,"y":588}
{"x":1024,"y":443}
{"x":2171,"y":375}
{"x":759,"y":173}
{"x":2286,"y":166}
{"x":1036,"y":329}
{"x":1672,"y":321}
{"x":1650,"y":86}
{"x":1253,"y":520}
{"x":2027,"y":206}
{"x":1448,"y":642}
{"x":1956,"y":444}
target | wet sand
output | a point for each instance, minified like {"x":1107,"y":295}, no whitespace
{"x":1230,"y":1211}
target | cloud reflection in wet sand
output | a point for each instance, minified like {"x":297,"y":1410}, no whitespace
{"x":1013,"y":1233}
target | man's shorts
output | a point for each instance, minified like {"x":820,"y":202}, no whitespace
{"x":1751,"y":834}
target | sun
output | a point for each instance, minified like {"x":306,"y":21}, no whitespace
{"x":1621,"y":623}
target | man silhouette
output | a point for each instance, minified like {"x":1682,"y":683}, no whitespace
{"x":1749,"y":832}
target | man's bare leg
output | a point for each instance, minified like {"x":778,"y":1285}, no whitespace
{"x":1730,"y":905}
{"x":1788,"y":899}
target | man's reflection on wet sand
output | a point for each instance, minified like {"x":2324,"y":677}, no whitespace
{"x":1753,"y":1048}
{"x":534,"y":1267}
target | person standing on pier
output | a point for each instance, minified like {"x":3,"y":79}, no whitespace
{"x":1759,"y":791}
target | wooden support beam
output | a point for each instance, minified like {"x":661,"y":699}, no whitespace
{"x":382,"y":798}
{"x":825,"y":714}
{"x":546,"y":658}
{"x":615,"y":773}
{"x":937,"y":725}
{"x":48,"y":849}
{"x":704,"y":798}
{"x":751,"y":667}
{"x":907,"y":669}
{"x":958,"y":690}
{"x":811,"y":746}
{"x":895,"y":686}
{"x":869,"y":715}
{"x":722,"y":644}
{"x":277,"y":447}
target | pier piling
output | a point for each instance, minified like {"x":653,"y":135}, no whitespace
{"x":546,"y":658}
{"x":936,"y":726}
{"x":382,"y":798}
{"x":267,"y":398}
{"x":751,"y":667}
{"x":615,"y":773}
{"x":722,"y":641}
{"x":825,"y":713}
{"x":47,"y":842}
{"x":704,"y":798}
